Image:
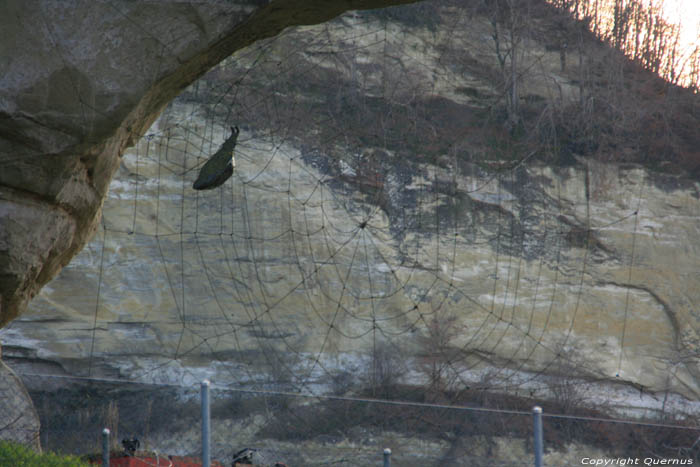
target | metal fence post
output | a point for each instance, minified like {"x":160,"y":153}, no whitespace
{"x":105,"y":447}
{"x":387,"y":457}
{"x":206,"y":420}
{"x":537,"y":416}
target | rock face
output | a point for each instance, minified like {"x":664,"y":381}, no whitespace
{"x":367,"y":216}
{"x":20,"y":420}
{"x":81,"y":82}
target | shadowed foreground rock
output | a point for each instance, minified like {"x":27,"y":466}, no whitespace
{"x":19,"y":421}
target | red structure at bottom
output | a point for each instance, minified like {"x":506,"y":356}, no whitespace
{"x":152,"y":461}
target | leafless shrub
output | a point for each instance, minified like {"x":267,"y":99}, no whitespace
{"x":564,"y":380}
{"x":438,"y":354}
{"x":384,"y":369}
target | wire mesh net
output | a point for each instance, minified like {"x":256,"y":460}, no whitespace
{"x":373,"y":197}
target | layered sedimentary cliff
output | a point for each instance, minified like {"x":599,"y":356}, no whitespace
{"x":82,"y":81}
{"x":374,"y":206}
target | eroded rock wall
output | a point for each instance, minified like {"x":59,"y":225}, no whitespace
{"x":585,"y":269}
{"x":345,"y":232}
{"x":80,"y":82}
{"x":257,"y":283}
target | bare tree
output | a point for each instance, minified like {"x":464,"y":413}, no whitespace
{"x":509,"y":22}
{"x":384,"y":369}
{"x":438,"y":352}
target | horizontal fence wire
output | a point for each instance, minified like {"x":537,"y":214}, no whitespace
{"x":383,"y":401}
{"x":293,"y":428}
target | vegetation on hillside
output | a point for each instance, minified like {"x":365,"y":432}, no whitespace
{"x":547,"y":82}
{"x":634,"y":100}
{"x":639,"y":100}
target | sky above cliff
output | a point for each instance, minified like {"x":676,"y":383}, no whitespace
{"x":687,"y":14}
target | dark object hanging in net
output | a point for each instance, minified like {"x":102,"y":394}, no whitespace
{"x":220,"y":166}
